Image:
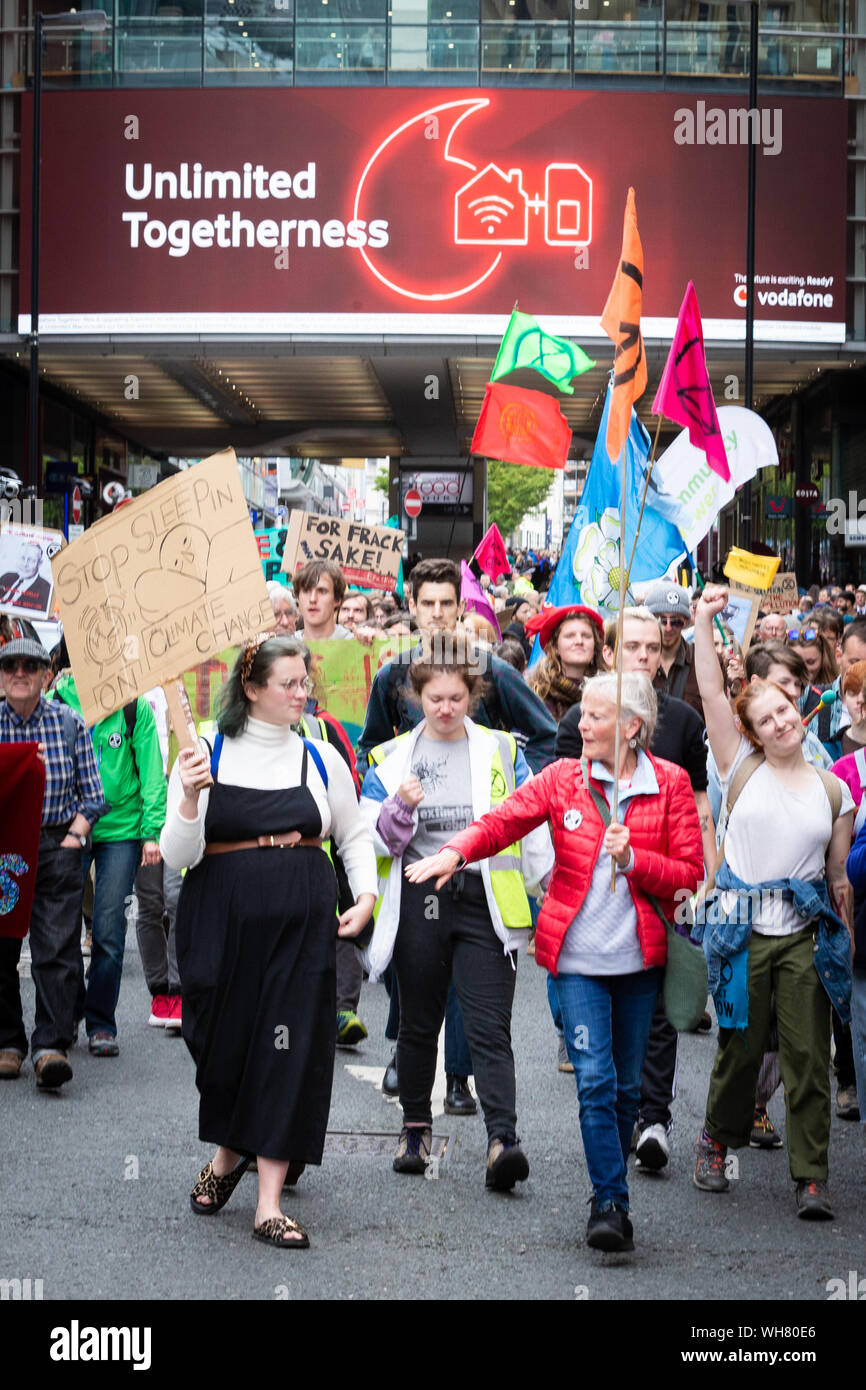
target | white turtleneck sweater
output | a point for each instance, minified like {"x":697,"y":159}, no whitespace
{"x":268,"y":756}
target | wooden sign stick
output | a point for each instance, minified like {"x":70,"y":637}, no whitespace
{"x":180,"y":715}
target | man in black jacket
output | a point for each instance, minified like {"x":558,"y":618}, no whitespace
{"x":678,"y":738}
{"x":507,"y":702}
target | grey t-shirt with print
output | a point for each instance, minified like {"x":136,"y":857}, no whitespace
{"x":442,"y":768}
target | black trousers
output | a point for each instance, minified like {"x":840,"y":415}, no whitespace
{"x":658,"y":1082}
{"x":444,"y":936}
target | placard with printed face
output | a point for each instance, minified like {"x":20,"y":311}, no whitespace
{"x":161,"y":585}
{"x":26,"y":583}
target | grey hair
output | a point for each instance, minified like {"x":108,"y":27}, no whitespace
{"x":279,"y":591}
{"x":638,"y":700}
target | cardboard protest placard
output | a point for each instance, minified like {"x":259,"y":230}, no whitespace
{"x":740,"y":615}
{"x":272,"y":545}
{"x":160,"y":585}
{"x":26,"y":581}
{"x":368,"y":555}
{"x":781,"y":597}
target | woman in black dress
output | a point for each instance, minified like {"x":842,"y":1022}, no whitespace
{"x":257,"y":927}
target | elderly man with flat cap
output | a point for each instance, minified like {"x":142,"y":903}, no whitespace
{"x":669,"y":602}
{"x":73,"y":801}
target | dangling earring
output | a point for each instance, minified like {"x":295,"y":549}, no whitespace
{"x":632,"y":743}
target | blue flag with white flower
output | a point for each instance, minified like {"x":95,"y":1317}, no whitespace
{"x":588,"y":569}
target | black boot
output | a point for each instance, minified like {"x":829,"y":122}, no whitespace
{"x":609,"y":1229}
{"x":458,"y":1097}
{"x":390,"y":1084}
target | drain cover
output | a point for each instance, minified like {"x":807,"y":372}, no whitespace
{"x":349,"y":1144}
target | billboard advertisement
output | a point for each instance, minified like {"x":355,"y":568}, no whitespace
{"x":341,"y":211}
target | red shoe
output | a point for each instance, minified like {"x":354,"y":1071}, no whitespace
{"x":160,"y":1011}
{"x":173,"y":1021}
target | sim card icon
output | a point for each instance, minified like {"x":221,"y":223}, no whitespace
{"x":567,"y":205}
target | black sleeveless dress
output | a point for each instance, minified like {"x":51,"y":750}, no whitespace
{"x":256,"y":950}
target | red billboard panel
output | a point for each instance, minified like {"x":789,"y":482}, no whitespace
{"x":342,"y":211}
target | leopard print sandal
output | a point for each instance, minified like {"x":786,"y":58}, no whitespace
{"x":274,"y":1231}
{"x":217,"y":1189}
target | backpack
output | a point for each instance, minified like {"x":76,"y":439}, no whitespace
{"x":216,"y":753}
{"x":70,"y":726}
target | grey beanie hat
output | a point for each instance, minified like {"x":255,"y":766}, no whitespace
{"x":25,"y":646}
{"x":663,"y":596}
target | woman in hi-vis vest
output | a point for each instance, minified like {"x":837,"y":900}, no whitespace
{"x":422,"y":787}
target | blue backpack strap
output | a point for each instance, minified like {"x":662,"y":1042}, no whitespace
{"x":317,"y":759}
{"x":215,"y":755}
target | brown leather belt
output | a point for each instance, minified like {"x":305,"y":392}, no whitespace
{"x":288,"y":840}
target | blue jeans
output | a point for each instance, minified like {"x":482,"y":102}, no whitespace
{"x":116,"y":863}
{"x":606,"y":1021}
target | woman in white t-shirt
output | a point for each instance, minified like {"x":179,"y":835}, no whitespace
{"x":782,"y":827}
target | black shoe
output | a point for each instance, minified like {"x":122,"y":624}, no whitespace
{"x":609,"y":1230}
{"x":506,"y":1164}
{"x":459,"y":1100}
{"x":390,"y":1084}
{"x":813,"y":1200}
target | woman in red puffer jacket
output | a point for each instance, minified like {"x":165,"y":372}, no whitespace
{"x":605,"y":950}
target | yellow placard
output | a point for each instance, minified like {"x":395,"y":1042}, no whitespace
{"x":758,"y":571}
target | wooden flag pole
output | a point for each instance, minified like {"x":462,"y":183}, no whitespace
{"x":180,"y":715}
{"x":614,"y":816}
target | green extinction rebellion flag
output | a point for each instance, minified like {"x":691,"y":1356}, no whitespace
{"x":527,"y":345}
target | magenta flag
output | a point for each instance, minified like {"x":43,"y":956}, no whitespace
{"x":475,"y":598}
{"x":491,"y":554}
{"x":685,"y":394}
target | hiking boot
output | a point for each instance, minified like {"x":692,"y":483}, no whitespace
{"x":609,"y":1228}
{"x":350,"y":1029}
{"x":413,"y":1149}
{"x":709,"y":1173}
{"x":653,"y":1149}
{"x":813,"y":1200}
{"x":506,"y":1164}
{"x":10,"y":1064}
{"x":52,"y":1070}
{"x":459,"y":1100}
{"x":763,"y":1135}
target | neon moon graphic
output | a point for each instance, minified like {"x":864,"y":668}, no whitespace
{"x":411,"y":145}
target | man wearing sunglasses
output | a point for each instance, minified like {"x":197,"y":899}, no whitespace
{"x":676,"y":675}
{"x":73,"y":802}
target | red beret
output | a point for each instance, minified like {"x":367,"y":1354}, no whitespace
{"x":548,"y":620}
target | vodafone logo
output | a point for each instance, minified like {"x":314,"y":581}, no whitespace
{"x":740,"y":296}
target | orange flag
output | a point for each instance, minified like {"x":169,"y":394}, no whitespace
{"x":621,"y":323}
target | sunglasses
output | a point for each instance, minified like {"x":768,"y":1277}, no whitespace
{"x":27,"y":664}
{"x":672,"y":622}
{"x":806,"y":634}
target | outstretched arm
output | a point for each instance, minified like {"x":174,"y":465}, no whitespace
{"x":722,"y":731}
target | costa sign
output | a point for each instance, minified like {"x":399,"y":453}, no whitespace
{"x":315,"y":211}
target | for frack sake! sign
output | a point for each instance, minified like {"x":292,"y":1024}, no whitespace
{"x":367,"y":555}
{"x":161,"y":585}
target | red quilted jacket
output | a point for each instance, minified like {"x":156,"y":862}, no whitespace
{"x":665,"y":839}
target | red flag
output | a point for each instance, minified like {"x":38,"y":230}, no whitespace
{"x":621,"y":323}
{"x":22,"y":777}
{"x":521,"y":427}
{"x":685,"y":394}
{"x":491,"y":554}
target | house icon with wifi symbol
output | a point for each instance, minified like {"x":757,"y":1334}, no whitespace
{"x":492,"y":209}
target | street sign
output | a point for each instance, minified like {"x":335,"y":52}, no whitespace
{"x":412,"y":502}
{"x":76,"y":504}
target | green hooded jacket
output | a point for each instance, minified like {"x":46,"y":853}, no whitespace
{"x":135,"y":787}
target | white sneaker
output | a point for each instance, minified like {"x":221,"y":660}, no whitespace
{"x":653,"y":1149}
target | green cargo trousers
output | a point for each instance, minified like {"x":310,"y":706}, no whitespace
{"x":784,"y":965}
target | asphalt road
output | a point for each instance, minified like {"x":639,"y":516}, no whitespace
{"x":94,"y":1185}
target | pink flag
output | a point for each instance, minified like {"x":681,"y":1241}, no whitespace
{"x":491,"y":554}
{"x":475,"y":598}
{"x":685,"y":394}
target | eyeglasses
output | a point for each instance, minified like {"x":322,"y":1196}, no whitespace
{"x":304,"y":687}
{"x":28,"y":664}
{"x":806,"y":634}
{"x":667,"y":621}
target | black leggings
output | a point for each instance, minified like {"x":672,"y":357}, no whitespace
{"x":443,"y":936}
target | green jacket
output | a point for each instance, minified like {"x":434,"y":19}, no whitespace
{"x":135,"y":787}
